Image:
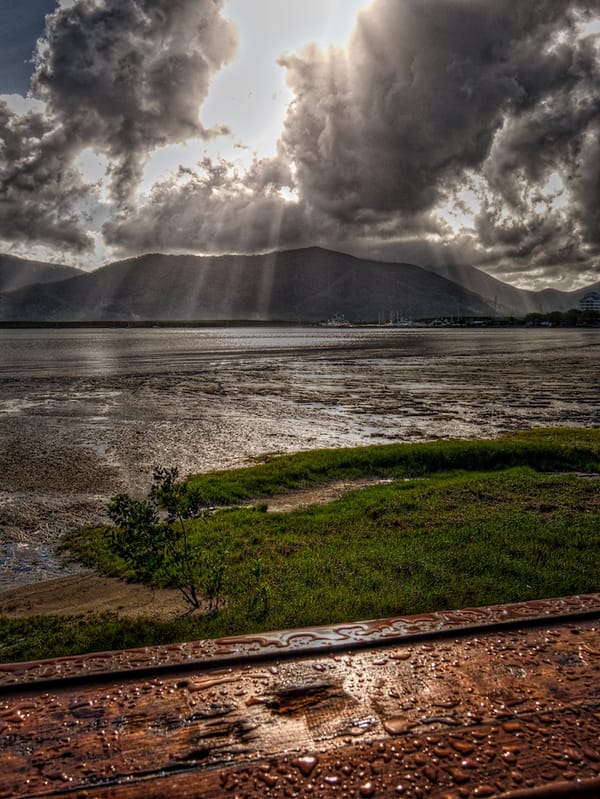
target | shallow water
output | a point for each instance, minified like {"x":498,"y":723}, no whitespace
{"x":87,"y":413}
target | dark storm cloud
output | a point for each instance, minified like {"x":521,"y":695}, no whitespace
{"x":128,"y":76}
{"x":38,"y":188}
{"x":430,"y":97}
{"x":216,"y":208}
{"x":394,"y":123}
{"x":558,"y":137}
{"x":431,"y":93}
{"x":585,"y":187}
{"x":120,"y":76}
{"x":525,"y":226}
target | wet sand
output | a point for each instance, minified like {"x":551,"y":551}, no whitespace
{"x":78,"y":595}
{"x":69,"y":440}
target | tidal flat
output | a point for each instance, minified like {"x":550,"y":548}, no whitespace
{"x":87,"y":413}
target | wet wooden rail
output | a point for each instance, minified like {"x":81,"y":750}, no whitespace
{"x":499,"y":701}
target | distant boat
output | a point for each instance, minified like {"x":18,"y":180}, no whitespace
{"x":337,"y":320}
{"x":395,"y":320}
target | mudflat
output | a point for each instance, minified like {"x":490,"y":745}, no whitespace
{"x":86,"y":414}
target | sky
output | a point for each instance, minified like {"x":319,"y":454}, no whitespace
{"x":425,"y":131}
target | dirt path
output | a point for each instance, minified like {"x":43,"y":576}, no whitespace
{"x":318,"y":495}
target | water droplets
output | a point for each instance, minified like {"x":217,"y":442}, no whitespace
{"x":398,"y":725}
{"x":306,"y":764}
{"x":431,"y":773}
{"x":462,"y":746}
{"x":512,"y":726}
{"x":485,"y":790}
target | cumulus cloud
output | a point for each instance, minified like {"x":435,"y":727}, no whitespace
{"x":38,"y":188}
{"x":120,"y":76}
{"x":585,"y":187}
{"x":430,"y":91}
{"x":215,"y":209}
{"x":429,"y":98}
{"x":128,"y":76}
{"x":418,"y":97}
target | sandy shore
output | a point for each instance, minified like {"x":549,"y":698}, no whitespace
{"x":88,"y":592}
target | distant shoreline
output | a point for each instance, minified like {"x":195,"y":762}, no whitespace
{"x":116,"y":324}
{"x":472,"y":323}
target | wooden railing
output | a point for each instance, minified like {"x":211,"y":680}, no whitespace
{"x":497,"y":701}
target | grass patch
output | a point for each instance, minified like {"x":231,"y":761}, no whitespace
{"x":56,"y":636}
{"x":486,"y":522}
{"x":543,"y":449}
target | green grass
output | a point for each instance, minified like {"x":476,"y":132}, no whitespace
{"x":542,"y":449}
{"x":56,"y":636}
{"x":482,"y":522}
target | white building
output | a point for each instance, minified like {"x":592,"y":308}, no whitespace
{"x":590,"y":301}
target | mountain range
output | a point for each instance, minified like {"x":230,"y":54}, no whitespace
{"x":18,"y":272}
{"x":306,"y":285}
{"x":507,"y":300}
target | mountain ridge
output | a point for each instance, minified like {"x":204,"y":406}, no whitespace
{"x":17,"y":272}
{"x":308,"y":284}
{"x":507,"y":299}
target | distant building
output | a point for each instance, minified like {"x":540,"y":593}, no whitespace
{"x":590,"y":301}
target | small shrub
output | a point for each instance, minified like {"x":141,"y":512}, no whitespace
{"x":153,"y":537}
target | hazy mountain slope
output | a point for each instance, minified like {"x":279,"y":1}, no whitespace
{"x":18,"y":272}
{"x":507,"y":299}
{"x":575,"y":296}
{"x":308,"y":285}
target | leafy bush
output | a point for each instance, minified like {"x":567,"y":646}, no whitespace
{"x":153,"y":537}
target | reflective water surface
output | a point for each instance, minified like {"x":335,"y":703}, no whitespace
{"x":86,"y":413}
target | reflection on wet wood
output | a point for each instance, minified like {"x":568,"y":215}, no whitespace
{"x":506,"y":708}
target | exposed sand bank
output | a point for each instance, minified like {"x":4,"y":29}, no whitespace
{"x":88,"y":592}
